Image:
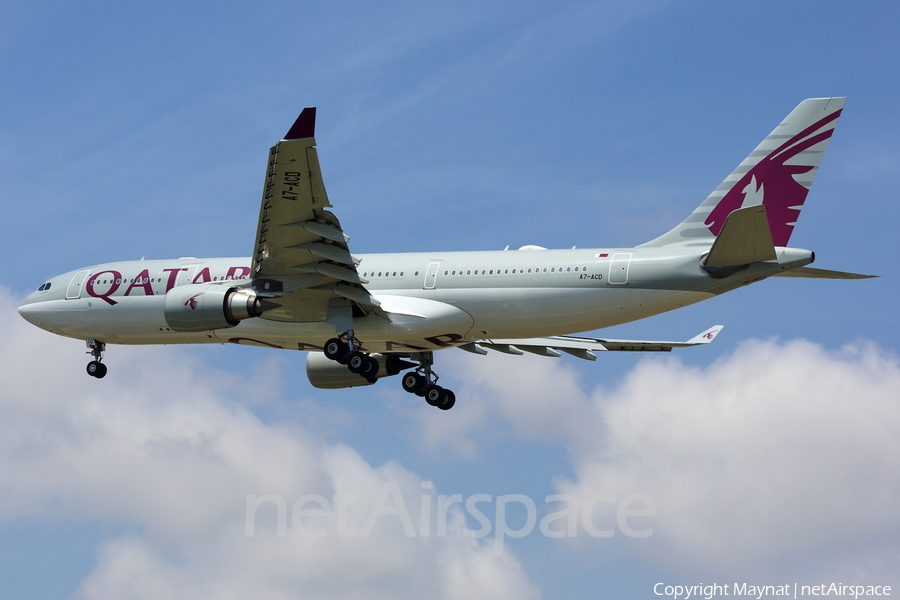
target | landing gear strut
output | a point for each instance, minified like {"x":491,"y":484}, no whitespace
{"x":423,"y":382}
{"x":95,"y":368}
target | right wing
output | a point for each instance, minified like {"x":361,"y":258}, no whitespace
{"x":301,"y":255}
{"x":583,"y":347}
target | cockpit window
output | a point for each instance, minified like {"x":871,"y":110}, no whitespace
{"x":44,"y":287}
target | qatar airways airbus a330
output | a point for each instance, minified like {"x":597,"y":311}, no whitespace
{"x":362,"y":317}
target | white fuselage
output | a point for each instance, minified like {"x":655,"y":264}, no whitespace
{"x":433,"y":300}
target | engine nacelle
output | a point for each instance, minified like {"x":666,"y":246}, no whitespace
{"x":208,"y":306}
{"x":327,"y":374}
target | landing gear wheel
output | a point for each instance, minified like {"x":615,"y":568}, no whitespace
{"x":370,"y":369}
{"x":336,"y":350}
{"x":413,"y":383}
{"x":96,"y":369}
{"x":448,"y":401}
{"x":423,"y":382}
{"x":357,"y":363}
{"x":434,"y":394}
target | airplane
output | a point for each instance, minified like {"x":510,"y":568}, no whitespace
{"x":363,"y":317}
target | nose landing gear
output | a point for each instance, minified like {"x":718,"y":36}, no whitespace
{"x":95,"y":368}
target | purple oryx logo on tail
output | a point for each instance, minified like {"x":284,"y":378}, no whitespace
{"x":773,"y":181}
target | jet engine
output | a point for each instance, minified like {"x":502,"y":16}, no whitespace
{"x":327,"y":374}
{"x":208,"y":306}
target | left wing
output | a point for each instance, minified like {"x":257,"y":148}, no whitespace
{"x":301,"y":255}
{"x":583,"y":347}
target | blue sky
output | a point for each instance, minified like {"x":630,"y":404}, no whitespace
{"x":142,"y":129}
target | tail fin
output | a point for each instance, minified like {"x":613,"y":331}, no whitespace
{"x":778,"y":175}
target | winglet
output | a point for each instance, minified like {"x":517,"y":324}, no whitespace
{"x":304,"y":126}
{"x":705,"y":337}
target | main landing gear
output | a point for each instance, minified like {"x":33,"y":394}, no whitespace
{"x":95,"y":368}
{"x":422,"y":382}
{"x":344,"y":350}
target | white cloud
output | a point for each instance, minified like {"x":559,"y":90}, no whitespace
{"x":165,"y":446}
{"x":780,"y":459}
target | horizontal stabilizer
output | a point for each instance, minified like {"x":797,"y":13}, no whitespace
{"x":584,"y":347}
{"x":810,"y":273}
{"x":745,"y":239}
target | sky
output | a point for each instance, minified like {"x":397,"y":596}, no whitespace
{"x":770,"y":457}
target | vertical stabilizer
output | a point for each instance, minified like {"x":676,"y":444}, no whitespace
{"x":777,"y":175}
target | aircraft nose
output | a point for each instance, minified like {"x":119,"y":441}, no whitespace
{"x":31,"y":312}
